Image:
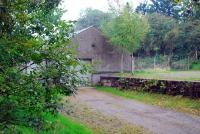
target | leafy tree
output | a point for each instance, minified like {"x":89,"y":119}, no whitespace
{"x":190,"y":9}
{"x":159,"y":25}
{"x":36,"y":64}
{"x":126,"y":30}
{"x":165,"y":7}
{"x":171,"y":39}
{"x":174,"y":28}
{"x":91,"y":17}
{"x":142,"y":8}
{"x":179,"y":9}
{"x":190,"y":38}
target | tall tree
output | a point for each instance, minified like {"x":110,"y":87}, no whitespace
{"x":126,"y":31}
{"x":190,"y":38}
{"x":159,"y":25}
{"x":142,"y":8}
{"x":190,"y":9}
{"x":170,"y":40}
{"x":91,"y":17}
{"x":165,"y":7}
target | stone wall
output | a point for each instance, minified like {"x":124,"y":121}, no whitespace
{"x":183,"y":88}
{"x":96,"y":76}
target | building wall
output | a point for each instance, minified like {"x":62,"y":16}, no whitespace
{"x":106,"y":58}
{"x":89,"y":44}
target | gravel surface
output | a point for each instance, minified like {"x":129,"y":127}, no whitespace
{"x":155,"y":119}
{"x":98,"y":122}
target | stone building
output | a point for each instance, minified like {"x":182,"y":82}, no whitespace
{"x":95,"y":49}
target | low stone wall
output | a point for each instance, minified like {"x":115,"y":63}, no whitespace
{"x":183,"y":88}
{"x":96,"y":76}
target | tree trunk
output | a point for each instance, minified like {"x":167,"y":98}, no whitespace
{"x":132,"y":64}
{"x":188,"y":67}
{"x":196,"y":55}
{"x":46,"y":85}
{"x":170,"y":58}
{"x":169,"y":61}
{"x":122,"y":62}
{"x":154,"y":63}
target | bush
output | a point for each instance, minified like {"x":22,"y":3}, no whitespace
{"x":36,"y":63}
{"x":196,"y":66}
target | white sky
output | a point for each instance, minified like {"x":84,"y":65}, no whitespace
{"x":74,"y":7}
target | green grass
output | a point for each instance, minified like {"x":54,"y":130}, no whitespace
{"x":177,"y":103}
{"x":196,"y":66}
{"x":165,"y":75}
{"x":62,"y":125}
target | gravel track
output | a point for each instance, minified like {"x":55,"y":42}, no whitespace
{"x":157,"y":120}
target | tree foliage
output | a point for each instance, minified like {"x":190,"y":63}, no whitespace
{"x":190,"y":9}
{"x":165,"y":7}
{"x":172,"y":34}
{"x":91,"y":17}
{"x":126,"y":30}
{"x":36,"y":64}
{"x":160,"y":25}
{"x":179,"y":9}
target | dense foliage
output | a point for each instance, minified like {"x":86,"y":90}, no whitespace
{"x":174,"y":29}
{"x":178,"y":9}
{"x":36,"y":63}
{"x":166,"y":7}
{"x":126,"y":30}
{"x":92,"y":17}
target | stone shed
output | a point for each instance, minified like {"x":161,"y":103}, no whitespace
{"x":94,"y":48}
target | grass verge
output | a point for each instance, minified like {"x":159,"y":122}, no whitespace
{"x":62,"y":125}
{"x":165,"y":75}
{"x":176,"y":103}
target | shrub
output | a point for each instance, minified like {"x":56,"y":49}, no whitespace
{"x":36,"y":63}
{"x":196,"y":66}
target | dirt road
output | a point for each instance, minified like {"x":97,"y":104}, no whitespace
{"x":157,"y":120}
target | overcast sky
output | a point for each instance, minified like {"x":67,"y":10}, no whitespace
{"x":74,"y":7}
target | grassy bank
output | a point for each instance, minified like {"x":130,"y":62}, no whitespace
{"x":165,"y":75}
{"x":61,"y":125}
{"x":177,"y":103}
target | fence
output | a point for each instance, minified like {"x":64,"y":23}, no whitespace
{"x":163,"y":62}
